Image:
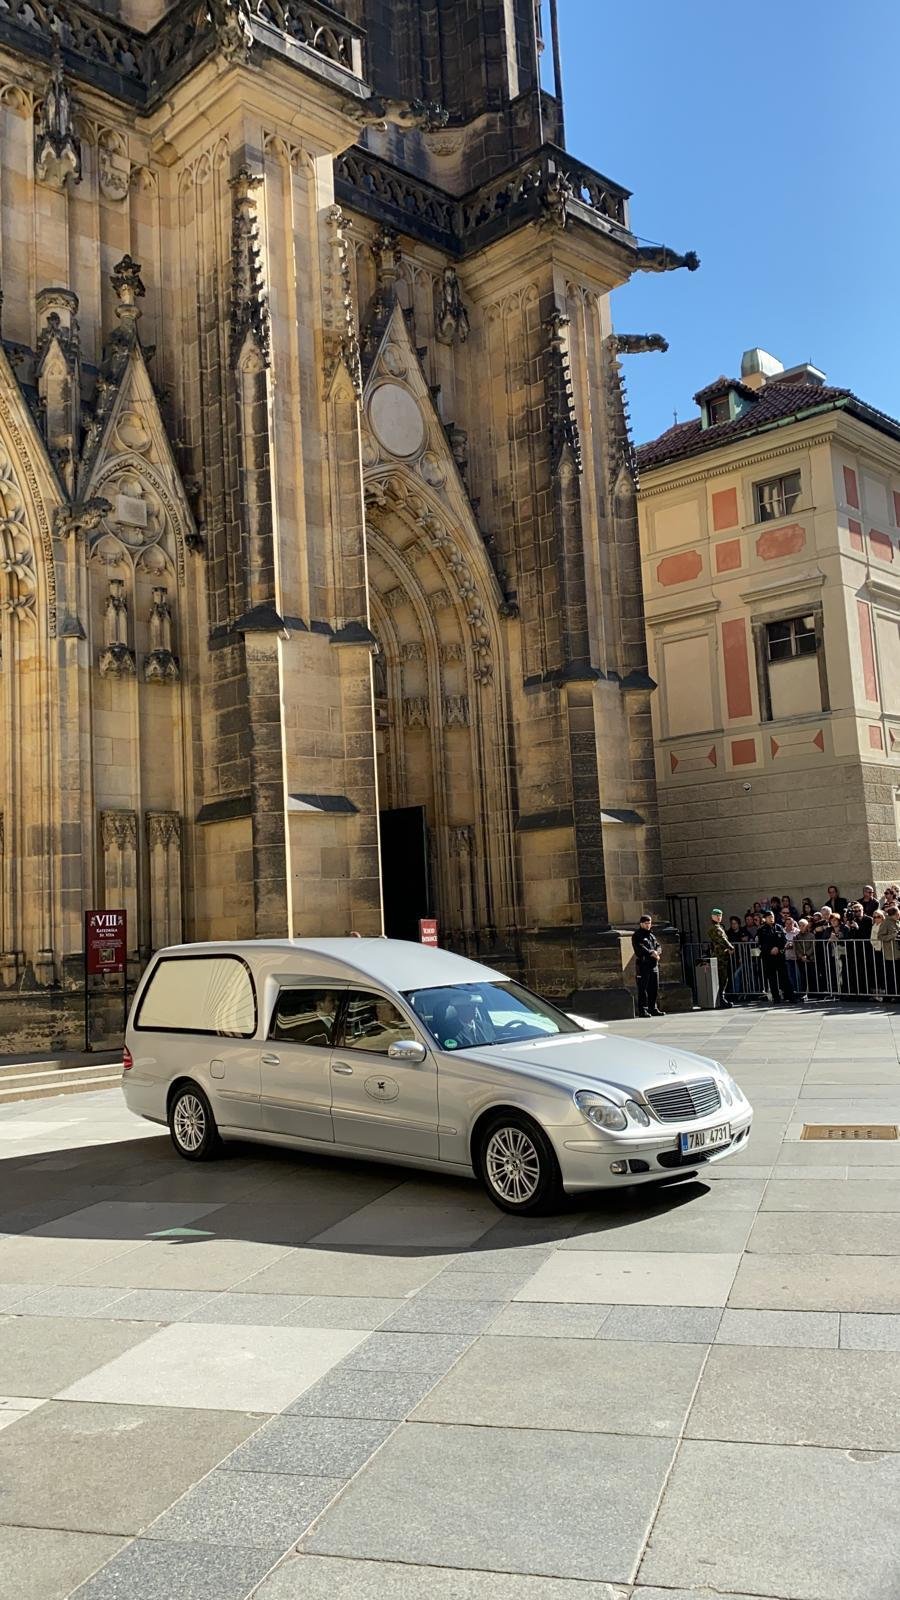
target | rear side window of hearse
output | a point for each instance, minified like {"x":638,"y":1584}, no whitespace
{"x":210,"y":994}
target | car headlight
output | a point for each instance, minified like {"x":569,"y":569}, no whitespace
{"x":730,"y":1092}
{"x":601,"y":1112}
{"x":637,"y":1113}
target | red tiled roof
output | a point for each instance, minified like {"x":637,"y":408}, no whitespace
{"x":721,"y":385}
{"x":776,"y":403}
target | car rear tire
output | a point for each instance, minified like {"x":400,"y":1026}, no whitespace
{"x":192,"y":1125}
{"x":517,"y":1165}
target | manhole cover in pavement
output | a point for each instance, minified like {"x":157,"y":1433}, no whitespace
{"x":849,"y":1130}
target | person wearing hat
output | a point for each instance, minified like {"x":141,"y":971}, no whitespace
{"x":721,"y":951}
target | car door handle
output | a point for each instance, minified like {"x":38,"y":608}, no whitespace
{"x":343,"y":1069}
{"x":270,"y":1061}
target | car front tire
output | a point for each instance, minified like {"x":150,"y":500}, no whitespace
{"x":517,"y":1165}
{"x":192,"y":1125}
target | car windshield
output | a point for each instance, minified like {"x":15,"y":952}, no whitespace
{"x":461,"y":1015}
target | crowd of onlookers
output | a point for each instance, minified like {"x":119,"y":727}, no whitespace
{"x":842,"y":947}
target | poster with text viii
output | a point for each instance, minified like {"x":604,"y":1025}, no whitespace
{"x":105,"y":942}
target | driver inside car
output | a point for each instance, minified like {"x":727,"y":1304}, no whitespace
{"x":466,"y":1024}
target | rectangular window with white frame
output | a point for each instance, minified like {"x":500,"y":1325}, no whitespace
{"x":776,"y":497}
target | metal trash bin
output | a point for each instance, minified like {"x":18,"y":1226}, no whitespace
{"x":706,"y":974}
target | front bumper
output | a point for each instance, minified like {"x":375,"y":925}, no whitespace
{"x":586,"y":1160}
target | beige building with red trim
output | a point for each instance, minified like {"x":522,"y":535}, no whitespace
{"x":770,"y":547}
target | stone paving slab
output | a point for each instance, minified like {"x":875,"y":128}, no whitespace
{"x":41,"y":1355}
{"x":147,"y":1570}
{"x":634,"y":1278}
{"x":569,"y":1505}
{"x":219,"y":1368}
{"x":865,"y":1332}
{"x":687,"y":1228}
{"x":249,"y":1510}
{"x":47,"y":1564}
{"x":586,"y":1386}
{"x":846,"y":1233}
{"x":327,"y":1447}
{"x":309,"y":1577}
{"x":817,"y":1283}
{"x":108,"y":1468}
{"x":810,"y":1330}
{"x":845,"y":1399}
{"x":799,"y":1524}
{"x":876,"y":1194}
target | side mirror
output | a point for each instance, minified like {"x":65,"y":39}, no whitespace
{"x":407,"y":1050}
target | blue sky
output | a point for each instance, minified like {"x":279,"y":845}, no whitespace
{"x":765,"y":137}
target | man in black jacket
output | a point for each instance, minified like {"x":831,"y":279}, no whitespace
{"x":771,"y":940}
{"x":647,"y":953}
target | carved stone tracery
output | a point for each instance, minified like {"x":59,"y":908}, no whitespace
{"x":249,"y":302}
{"x":57,"y":148}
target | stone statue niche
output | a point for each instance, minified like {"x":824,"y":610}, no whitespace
{"x":161,"y":664}
{"x":116,"y":659}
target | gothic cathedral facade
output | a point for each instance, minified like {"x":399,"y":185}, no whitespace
{"x":320,"y":594}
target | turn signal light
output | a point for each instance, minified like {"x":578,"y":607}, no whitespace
{"x":127,"y":1060}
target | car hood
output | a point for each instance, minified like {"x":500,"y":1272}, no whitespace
{"x":609,"y":1058}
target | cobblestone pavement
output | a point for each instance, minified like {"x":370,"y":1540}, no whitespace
{"x":315,"y":1380}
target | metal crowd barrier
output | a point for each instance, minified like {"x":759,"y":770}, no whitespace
{"x":843,"y":969}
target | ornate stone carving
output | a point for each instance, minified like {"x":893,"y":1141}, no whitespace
{"x":342,"y":340}
{"x":249,"y":302}
{"x":455,"y":651}
{"x":452,"y":319}
{"x":462,"y":839}
{"x":57,"y":148}
{"x":118,"y":830}
{"x":394,"y":598}
{"x":659,"y":258}
{"x":163,"y":829}
{"x":113,"y":166}
{"x":555,"y":193}
{"x":388,"y":259}
{"x":564,"y":432}
{"x":432,"y":469}
{"x":116,"y":659}
{"x":128,"y":288}
{"x":456,"y":711}
{"x":81,"y":518}
{"x":413,"y":651}
{"x":632,"y":344}
{"x":234,"y":31}
{"x":160,"y":665}
{"x":439,"y":600}
{"x":416,"y":711}
{"x":379,"y":112}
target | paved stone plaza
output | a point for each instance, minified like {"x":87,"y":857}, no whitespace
{"x":371,"y":1382}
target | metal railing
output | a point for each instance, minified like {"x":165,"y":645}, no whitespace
{"x":821,"y":970}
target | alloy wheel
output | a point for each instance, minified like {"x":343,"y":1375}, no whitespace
{"x":189,"y":1122}
{"x":513,"y":1165}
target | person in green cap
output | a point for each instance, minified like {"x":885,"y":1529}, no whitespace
{"x":721,"y":950}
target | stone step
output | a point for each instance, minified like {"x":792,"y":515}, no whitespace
{"x":39,"y":1080}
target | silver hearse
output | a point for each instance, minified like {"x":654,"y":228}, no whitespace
{"x":395,"y":1051}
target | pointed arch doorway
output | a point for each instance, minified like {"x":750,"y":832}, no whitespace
{"x":443,"y":766}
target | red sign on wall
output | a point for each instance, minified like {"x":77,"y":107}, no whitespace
{"x":105,"y":941}
{"x":428,"y":931}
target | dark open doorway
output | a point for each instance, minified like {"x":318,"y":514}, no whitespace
{"x":405,"y":878}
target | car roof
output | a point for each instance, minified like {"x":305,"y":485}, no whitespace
{"x":399,"y":963}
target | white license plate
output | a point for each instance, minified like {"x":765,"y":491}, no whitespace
{"x":705,"y":1138}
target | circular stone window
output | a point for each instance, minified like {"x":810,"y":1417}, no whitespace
{"x":395,"y":420}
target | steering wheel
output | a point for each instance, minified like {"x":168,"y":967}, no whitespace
{"x":510,"y":1027}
